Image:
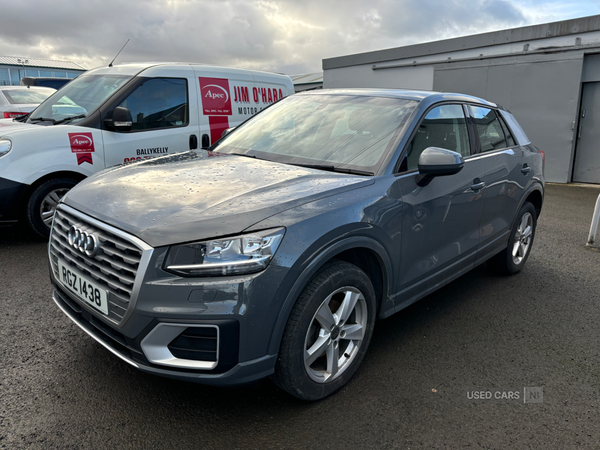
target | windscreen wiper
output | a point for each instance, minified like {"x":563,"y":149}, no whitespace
{"x":42,"y":119}
{"x":354,"y":171}
{"x":79,"y":116}
{"x":22,"y":118}
{"x":330,"y":168}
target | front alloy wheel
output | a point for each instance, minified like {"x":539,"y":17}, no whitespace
{"x":327,"y":333}
{"x":335,"y":334}
{"x":49,"y":204}
{"x":42,"y":204}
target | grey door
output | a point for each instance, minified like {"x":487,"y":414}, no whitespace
{"x":506,"y":176}
{"x":440,"y":226}
{"x":587,"y":154}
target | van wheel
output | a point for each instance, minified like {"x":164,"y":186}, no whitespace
{"x":42,"y":204}
{"x":513,"y":258}
{"x":328,"y":332}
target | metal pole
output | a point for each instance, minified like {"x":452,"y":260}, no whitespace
{"x":594,"y":227}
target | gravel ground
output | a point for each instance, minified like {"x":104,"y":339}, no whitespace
{"x":60,"y":389}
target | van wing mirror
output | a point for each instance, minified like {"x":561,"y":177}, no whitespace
{"x":120,"y":120}
{"x":436,"y":162}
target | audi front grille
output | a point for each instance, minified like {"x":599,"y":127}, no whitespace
{"x":114,"y":264}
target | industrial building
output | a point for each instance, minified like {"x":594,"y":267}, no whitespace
{"x":13,"y":68}
{"x":307,"y":81}
{"x":547,"y":75}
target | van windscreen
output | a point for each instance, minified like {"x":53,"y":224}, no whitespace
{"x":79,"y":98}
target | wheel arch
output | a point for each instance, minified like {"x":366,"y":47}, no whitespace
{"x":533,"y":195}
{"x":536,"y":198}
{"x":51,"y":176}
{"x":364,"y":252}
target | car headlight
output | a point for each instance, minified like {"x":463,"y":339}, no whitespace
{"x":237,"y":255}
{"x":5,"y":146}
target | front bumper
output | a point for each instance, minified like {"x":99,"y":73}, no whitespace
{"x":11,"y":196}
{"x":215,"y":330}
{"x":229,"y":372}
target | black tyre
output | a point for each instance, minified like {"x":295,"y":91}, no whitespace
{"x":42,"y":204}
{"x":328,"y":332}
{"x":512,"y":259}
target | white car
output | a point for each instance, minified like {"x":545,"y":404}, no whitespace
{"x":16,"y":101}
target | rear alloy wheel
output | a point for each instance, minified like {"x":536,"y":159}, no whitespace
{"x":328,"y":332}
{"x":43,"y":202}
{"x":513,"y":258}
{"x":522,"y":239}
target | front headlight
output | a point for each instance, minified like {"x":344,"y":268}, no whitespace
{"x":228,"y":256}
{"x":5,"y":146}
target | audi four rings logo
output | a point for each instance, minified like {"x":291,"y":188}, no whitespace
{"x":83,"y":241}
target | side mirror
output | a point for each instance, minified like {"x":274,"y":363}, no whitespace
{"x":121,"y":119}
{"x":437,"y":162}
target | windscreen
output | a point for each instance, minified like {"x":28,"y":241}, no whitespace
{"x":79,"y":97}
{"x":341,"y":131}
{"x":27,"y":96}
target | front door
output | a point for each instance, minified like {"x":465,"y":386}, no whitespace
{"x":440,"y":226}
{"x":164,"y":114}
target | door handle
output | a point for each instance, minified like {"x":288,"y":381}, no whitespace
{"x":205,"y":141}
{"x":193,"y":142}
{"x":526,"y":169}
{"x":478,"y":186}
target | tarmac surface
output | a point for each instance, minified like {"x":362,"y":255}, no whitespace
{"x":416,"y":387}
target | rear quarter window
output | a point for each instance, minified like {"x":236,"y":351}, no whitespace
{"x":515,"y":128}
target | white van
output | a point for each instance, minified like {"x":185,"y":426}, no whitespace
{"x":113,"y":115}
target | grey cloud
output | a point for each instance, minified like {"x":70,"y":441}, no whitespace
{"x":284,"y":35}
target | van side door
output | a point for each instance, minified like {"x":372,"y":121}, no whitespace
{"x":224,"y":100}
{"x":164,"y":117}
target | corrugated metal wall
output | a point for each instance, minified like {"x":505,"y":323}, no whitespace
{"x":542,"y":91}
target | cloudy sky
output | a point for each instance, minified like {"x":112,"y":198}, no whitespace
{"x":289,"y":36}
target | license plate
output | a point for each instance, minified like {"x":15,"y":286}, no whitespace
{"x":85,"y":289}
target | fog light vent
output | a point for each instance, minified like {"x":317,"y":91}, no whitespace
{"x":196,"y":343}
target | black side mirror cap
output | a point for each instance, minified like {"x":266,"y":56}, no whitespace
{"x":120,"y":119}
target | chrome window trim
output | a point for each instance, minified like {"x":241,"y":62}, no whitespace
{"x":147,"y":251}
{"x":156,"y":350}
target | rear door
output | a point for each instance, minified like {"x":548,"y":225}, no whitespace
{"x":164,"y":116}
{"x":506,"y":177}
{"x":440,"y":226}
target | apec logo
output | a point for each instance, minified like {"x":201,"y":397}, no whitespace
{"x":83,"y":145}
{"x":81,"y":142}
{"x":215,"y":96}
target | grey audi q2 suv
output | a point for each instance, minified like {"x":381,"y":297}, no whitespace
{"x":274,"y":253}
